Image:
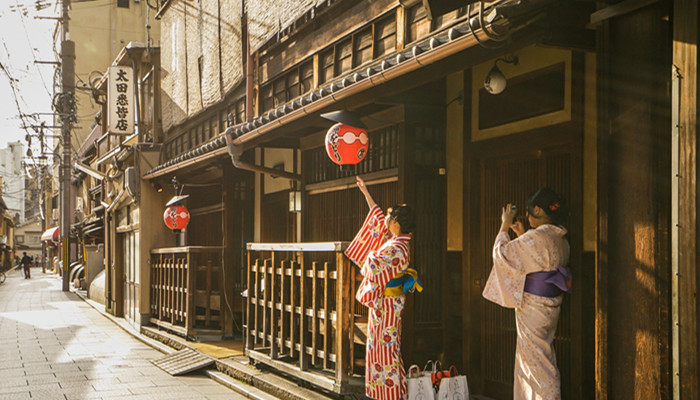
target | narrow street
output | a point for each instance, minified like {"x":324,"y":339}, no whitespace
{"x":55,"y":346}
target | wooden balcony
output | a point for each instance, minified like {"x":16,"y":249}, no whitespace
{"x":186,"y":292}
{"x":301,"y":312}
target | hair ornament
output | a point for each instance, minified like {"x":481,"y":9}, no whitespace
{"x":554,"y":206}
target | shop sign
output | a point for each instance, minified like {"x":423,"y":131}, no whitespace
{"x":120,"y":98}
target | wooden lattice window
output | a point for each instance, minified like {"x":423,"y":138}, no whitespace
{"x":385,"y":36}
{"x":280,"y":92}
{"x":343,"y":56}
{"x":240,"y":111}
{"x":417,"y":23}
{"x":326,"y":65}
{"x":306,"y":73}
{"x":266,"y":98}
{"x":362,"y":47}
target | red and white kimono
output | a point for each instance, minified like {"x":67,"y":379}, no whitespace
{"x":381,"y":258}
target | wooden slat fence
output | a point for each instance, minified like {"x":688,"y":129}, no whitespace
{"x":185,"y":289}
{"x":301,"y":311}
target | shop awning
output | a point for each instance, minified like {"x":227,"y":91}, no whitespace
{"x":50,"y":235}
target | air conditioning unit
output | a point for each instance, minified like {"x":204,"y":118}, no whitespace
{"x":132,"y":183}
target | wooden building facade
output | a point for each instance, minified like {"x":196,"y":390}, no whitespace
{"x":592,"y":109}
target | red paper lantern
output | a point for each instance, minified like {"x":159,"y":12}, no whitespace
{"x":346,"y":144}
{"x":176,"y":217}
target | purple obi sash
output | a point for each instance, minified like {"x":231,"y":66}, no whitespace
{"x":549,"y":283}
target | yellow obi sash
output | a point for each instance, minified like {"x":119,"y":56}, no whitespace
{"x":403,"y":282}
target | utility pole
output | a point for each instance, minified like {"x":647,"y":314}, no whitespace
{"x":66,"y":105}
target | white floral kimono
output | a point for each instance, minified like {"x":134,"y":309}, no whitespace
{"x":381,"y":257}
{"x":541,"y":249}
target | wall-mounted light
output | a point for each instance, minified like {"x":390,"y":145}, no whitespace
{"x":495,"y":82}
{"x":157,"y":187}
{"x":294,"y":201}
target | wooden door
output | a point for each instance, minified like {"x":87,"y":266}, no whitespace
{"x":502,"y":180}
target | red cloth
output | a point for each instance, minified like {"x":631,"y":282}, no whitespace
{"x":381,"y":257}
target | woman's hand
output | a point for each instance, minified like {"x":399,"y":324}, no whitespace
{"x":361,"y":184}
{"x":507,"y":215}
{"x":365,"y":192}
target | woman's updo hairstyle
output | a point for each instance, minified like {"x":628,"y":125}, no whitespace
{"x":551,"y":203}
{"x":404,"y":215}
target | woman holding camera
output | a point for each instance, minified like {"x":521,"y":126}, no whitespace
{"x":530,"y":275}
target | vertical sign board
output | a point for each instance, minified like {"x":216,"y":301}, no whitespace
{"x":120,"y":96}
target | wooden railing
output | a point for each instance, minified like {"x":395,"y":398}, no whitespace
{"x":300,"y":312}
{"x":186,"y":290}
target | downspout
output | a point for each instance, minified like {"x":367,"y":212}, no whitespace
{"x":236,"y":151}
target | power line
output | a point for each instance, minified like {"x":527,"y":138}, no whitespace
{"x":26,"y":35}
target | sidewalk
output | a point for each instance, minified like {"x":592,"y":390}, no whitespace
{"x":55,"y":346}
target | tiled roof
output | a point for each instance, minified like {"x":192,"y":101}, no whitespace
{"x":420,"y":50}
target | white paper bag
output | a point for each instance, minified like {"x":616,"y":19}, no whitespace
{"x":419,"y":386}
{"x":454,"y":388}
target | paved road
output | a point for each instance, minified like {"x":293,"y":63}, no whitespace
{"x":55,"y":346}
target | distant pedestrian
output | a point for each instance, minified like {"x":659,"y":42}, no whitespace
{"x":26,"y":264}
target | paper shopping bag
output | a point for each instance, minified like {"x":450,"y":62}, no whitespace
{"x":419,"y":385}
{"x":453,"y":387}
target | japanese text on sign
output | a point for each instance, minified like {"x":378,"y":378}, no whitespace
{"x":121,"y":100}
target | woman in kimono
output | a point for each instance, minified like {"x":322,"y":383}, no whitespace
{"x":381,"y":249}
{"x":530,"y":275}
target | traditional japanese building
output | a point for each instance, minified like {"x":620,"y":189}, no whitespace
{"x":599,"y":104}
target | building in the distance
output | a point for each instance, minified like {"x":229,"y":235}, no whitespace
{"x":13,"y":184}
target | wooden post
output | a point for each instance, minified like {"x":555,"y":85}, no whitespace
{"x":344,"y":323}
{"x":314,"y":311}
{"x":190,"y":289}
{"x":293,"y":310}
{"x":265,"y":291}
{"x":303,"y":359}
{"x":685,"y":369}
{"x":326,"y":316}
{"x":274,"y":316}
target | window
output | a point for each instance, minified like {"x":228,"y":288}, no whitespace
{"x":19,"y":238}
{"x":385,"y":36}
{"x":326,"y":67}
{"x":362,"y":47}
{"x":343,"y":57}
{"x":418,"y":24}
{"x":123,"y":3}
{"x":306,"y":72}
{"x":240,"y":111}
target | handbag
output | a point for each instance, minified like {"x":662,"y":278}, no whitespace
{"x":454,"y":386}
{"x":436,"y":373}
{"x":419,"y":385}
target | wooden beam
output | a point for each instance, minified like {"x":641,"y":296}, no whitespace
{"x":618,"y":9}
{"x":685,"y":56}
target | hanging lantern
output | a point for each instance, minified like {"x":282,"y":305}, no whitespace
{"x":346,"y":145}
{"x":176,"y":217}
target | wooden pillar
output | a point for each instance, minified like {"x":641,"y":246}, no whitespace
{"x":633,"y":262}
{"x":685,"y":58}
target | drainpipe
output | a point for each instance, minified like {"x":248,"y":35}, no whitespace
{"x":249,"y":83}
{"x":236,"y":151}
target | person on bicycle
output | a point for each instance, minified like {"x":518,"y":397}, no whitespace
{"x":26,"y":264}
